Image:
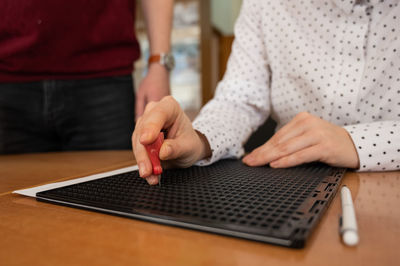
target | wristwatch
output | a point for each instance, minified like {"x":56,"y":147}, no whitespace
{"x":165,"y":59}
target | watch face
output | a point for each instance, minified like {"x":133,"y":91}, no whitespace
{"x":169,"y":61}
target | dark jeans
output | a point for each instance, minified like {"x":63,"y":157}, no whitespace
{"x":62,"y":115}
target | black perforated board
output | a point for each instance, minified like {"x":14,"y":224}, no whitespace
{"x":278,"y":206}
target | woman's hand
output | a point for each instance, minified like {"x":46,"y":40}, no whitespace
{"x":182,"y":147}
{"x":306,"y":138}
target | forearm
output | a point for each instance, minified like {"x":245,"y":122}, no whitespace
{"x":158,"y":18}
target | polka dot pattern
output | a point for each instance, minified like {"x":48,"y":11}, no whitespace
{"x":339,"y":60}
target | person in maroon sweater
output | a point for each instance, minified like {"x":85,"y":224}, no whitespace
{"x":65,"y":72}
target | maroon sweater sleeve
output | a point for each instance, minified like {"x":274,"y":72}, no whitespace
{"x":66,"y":39}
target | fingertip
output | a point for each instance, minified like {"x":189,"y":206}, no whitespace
{"x":249,"y":160}
{"x":245,"y":163}
{"x":152,"y":180}
{"x":143,"y":170}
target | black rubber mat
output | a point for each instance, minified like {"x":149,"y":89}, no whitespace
{"x":278,"y":206}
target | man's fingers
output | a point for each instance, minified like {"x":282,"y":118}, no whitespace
{"x":306,"y":155}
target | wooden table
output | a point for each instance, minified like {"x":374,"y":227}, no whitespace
{"x":36,"y":233}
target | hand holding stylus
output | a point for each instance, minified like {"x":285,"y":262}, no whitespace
{"x":182,"y":146}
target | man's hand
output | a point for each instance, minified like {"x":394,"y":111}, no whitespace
{"x":306,"y":138}
{"x":182,"y":147}
{"x":152,"y":88}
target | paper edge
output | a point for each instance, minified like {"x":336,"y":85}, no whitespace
{"x":31,"y":192}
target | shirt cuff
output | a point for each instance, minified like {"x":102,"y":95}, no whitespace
{"x":220,"y":147}
{"x":377,"y":145}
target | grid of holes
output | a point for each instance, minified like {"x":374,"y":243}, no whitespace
{"x":226,"y":193}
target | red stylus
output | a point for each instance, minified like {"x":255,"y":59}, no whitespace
{"x":153,"y":150}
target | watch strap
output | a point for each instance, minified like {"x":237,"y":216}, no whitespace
{"x":164,"y":59}
{"x":155,"y":58}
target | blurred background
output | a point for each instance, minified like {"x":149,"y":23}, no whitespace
{"x":202,"y":37}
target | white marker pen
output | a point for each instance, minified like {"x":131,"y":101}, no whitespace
{"x":348,"y":228}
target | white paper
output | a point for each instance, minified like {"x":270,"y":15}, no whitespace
{"x":31,"y":192}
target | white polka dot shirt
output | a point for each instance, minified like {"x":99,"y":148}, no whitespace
{"x":335,"y":59}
